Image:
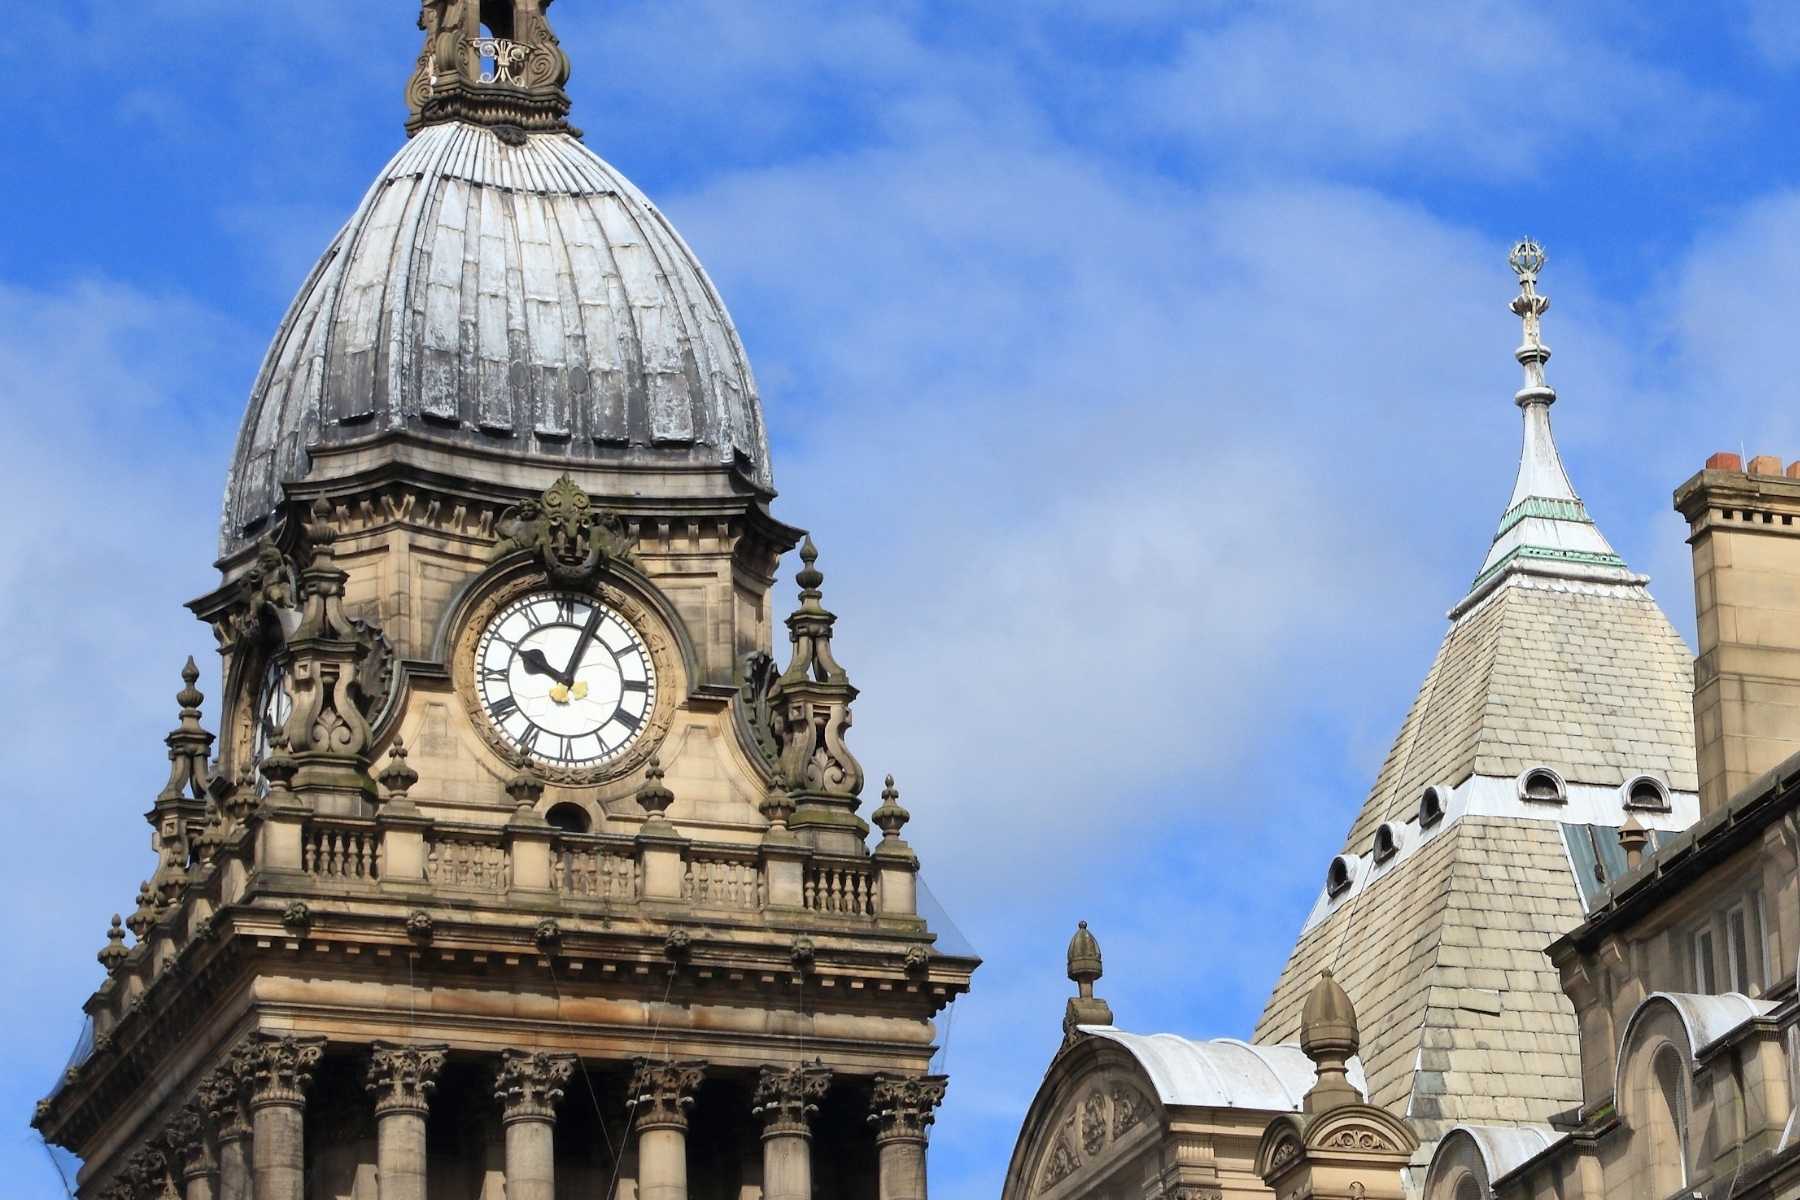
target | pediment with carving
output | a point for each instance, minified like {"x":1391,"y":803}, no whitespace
{"x":1103,"y":1118}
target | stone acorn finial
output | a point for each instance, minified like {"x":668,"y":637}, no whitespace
{"x":655,"y":798}
{"x":1084,"y":971}
{"x":525,"y":788}
{"x":890,"y":818}
{"x":189,"y":696}
{"x":397,"y":778}
{"x":777,"y":805}
{"x":112,"y":956}
{"x":809,"y":577}
{"x":1329,"y":1036}
{"x":1084,"y":960}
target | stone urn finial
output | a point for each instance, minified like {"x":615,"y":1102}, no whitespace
{"x":1329,"y":1036}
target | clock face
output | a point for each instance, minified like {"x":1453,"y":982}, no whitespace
{"x":274,"y":704}
{"x":565,"y":678}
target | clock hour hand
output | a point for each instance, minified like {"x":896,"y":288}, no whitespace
{"x":537,"y":664}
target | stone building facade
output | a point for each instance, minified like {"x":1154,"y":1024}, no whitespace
{"x":1556,"y":715}
{"x":518,"y":866}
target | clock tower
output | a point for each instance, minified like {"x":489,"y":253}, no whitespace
{"x":520,"y":864}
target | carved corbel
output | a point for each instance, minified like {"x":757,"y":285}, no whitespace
{"x":574,"y":539}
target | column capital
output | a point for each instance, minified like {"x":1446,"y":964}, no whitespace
{"x":401,"y":1077}
{"x":529,"y":1085}
{"x":786,"y":1097}
{"x":223,"y":1092}
{"x":186,"y":1137}
{"x":902,"y":1107}
{"x":664,"y":1091}
{"x":281,"y":1069}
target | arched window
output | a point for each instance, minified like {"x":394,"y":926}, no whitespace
{"x":1543,"y":786}
{"x":1665,"y":1139}
{"x":1646,"y":792}
{"x":497,"y":18}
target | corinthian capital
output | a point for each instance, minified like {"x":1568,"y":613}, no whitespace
{"x":904,"y":1106}
{"x":187,"y":1140}
{"x":787,"y":1096}
{"x":529,"y":1085}
{"x":401,"y":1078}
{"x":281,"y":1068}
{"x":222,"y":1093}
{"x":664,"y":1091}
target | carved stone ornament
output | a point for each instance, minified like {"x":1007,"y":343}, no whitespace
{"x":1093,"y":1124}
{"x":297,"y":918}
{"x":905,"y":1106}
{"x":267,"y":608}
{"x":223,"y":1093}
{"x":787,"y":1097}
{"x":810,"y":702}
{"x":186,"y":1139}
{"x":1128,"y":1110}
{"x":662,"y":1092}
{"x":419,"y":925}
{"x":1060,"y":1163}
{"x":401,"y":1078}
{"x":756,"y":676}
{"x":575,"y":539}
{"x":281,"y":1069}
{"x":530,"y":1085}
{"x":663,"y":655}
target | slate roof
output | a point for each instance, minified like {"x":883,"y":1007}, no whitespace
{"x":515,"y":298}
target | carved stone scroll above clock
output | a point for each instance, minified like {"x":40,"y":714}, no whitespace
{"x":575,"y":539}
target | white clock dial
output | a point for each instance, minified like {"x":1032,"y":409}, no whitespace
{"x":565,"y":679}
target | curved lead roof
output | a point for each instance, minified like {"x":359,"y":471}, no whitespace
{"x":508,"y":294}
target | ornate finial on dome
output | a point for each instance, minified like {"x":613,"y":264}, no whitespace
{"x":490,"y":62}
{"x":1329,"y":1036}
{"x":1527,"y":259}
{"x":1084,"y":972}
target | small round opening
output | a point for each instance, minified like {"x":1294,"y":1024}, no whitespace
{"x":1543,"y":785}
{"x":1337,"y":876}
{"x":1387,"y":842}
{"x":570,"y":818}
{"x":1431,"y":806}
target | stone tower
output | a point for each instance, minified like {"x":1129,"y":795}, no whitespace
{"x":519,"y":866}
{"x":1555,"y":714}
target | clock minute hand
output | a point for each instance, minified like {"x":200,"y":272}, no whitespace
{"x":537,"y":664}
{"x":581,"y":645}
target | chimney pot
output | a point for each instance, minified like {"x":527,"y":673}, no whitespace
{"x":1724,"y":461}
{"x":1765,"y":464}
{"x":1793,"y":471}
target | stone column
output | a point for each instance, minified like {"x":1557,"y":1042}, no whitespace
{"x":902,"y":1109}
{"x":662,"y":1092}
{"x":224,"y":1093}
{"x":401,"y":1079}
{"x":786,"y":1098}
{"x":280,"y":1072}
{"x":528,"y":1089}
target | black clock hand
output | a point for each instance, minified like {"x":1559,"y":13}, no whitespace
{"x":581,"y":644}
{"x":537,"y":664}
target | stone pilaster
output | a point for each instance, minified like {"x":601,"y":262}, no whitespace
{"x":786,"y":1098}
{"x":528,"y":1087}
{"x":401,"y":1079}
{"x":662,"y":1092}
{"x":281,"y":1070}
{"x":902,"y":1109}
{"x":223,"y":1092}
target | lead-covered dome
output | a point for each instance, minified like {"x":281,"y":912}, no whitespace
{"x":510,"y":293}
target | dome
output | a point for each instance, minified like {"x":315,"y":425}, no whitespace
{"x":511,"y":294}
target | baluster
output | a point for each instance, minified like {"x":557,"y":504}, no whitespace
{"x":308,"y":855}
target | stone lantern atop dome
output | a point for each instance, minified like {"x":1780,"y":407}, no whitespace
{"x":490,"y":62}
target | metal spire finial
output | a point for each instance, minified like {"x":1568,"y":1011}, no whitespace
{"x":1527,"y":259}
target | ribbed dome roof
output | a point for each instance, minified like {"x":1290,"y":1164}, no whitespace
{"x":521,"y":298}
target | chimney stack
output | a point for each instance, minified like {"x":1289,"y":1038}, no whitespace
{"x":1744,"y":527}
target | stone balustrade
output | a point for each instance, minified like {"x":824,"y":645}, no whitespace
{"x":585,"y":866}
{"x":341,"y":849}
{"x":841,"y":888}
{"x":467,"y":858}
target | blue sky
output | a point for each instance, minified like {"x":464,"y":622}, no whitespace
{"x":1142,"y":367}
